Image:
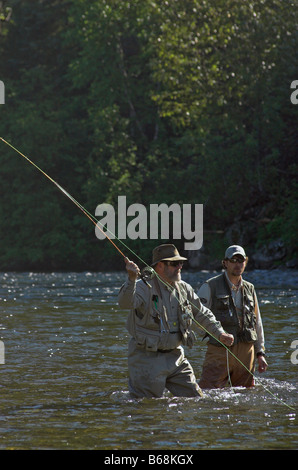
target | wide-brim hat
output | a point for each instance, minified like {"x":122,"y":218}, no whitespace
{"x":166,"y":253}
{"x":234,"y":250}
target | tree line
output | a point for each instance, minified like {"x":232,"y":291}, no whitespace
{"x":165,"y":101}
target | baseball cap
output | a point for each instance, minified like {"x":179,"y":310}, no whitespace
{"x":234,"y":250}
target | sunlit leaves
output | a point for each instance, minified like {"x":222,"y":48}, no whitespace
{"x":162,"y":101}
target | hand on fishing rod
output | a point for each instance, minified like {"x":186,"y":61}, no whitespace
{"x":132,"y":269}
{"x":226,"y":339}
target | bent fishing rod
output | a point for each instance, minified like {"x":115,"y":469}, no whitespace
{"x":66,"y":193}
{"x":147,"y":273}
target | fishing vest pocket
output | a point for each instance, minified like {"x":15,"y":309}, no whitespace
{"x":147,"y":339}
{"x":249,"y":304}
{"x":223,"y":310}
{"x":188,"y":337}
{"x":152,"y":340}
{"x":185,"y":322}
{"x":249,"y":333}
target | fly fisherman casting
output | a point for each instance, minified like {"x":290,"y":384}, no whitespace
{"x":159,"y":323}
{"x":163,"y":310}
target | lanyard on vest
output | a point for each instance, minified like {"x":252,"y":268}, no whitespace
{"x":164,"y":324}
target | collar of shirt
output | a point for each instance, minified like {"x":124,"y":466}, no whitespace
{"x":165,"y":287}
{"x":232,"y":286}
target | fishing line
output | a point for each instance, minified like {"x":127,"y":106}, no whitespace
{"x":150,"y":271}
{"x":95,"y":222}
{"x":228,"y":369}
{"x":243,"y":365}
{"x":228,"y":351}
{"x":229,"y":376}
{"x":90,"y":216}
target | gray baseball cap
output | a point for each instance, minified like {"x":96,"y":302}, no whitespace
{"x":234,"y":250}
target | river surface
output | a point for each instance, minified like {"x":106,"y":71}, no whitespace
{"x":63,"y":384}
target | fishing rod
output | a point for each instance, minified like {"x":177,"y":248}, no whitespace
{"x":66,"y":193}
{"x":148,"y":271}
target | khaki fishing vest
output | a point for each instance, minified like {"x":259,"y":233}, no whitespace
{"x":159,"y":328}
{"x":243,"y":326}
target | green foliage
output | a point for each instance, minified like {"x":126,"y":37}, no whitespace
{"x":163,"y":102}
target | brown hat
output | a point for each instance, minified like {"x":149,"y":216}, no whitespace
{"x":166,"y":253}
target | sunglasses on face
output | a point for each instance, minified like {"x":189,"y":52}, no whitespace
{"x":236,"y":260}
{"x":173,"y":263}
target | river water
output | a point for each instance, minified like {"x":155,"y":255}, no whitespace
{"x":64,"y":378}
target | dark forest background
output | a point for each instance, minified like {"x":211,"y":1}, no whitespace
{"x":178,"y":101}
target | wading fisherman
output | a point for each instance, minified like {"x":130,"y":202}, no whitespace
{"x":159,"y":324}
{"x":234,"y":303}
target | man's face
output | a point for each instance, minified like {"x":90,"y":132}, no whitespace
{"x":170,"y":271}
{"x":235,"y":266}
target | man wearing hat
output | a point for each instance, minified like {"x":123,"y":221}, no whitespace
{"x":234,"y":303}
{"x":159,"y":323}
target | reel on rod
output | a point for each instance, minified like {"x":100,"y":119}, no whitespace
{"x":147,"y":274}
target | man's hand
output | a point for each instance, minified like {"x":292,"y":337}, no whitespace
{"x":262,"y":364}
{"x":226,"y":339}
{"x":132,"y":269}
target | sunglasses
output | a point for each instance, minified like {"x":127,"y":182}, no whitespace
{"x":236,"y":260}
{"x":173,"y":263}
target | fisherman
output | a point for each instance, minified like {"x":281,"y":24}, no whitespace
{"x":234,"y":303}
{"x":160,"y":323}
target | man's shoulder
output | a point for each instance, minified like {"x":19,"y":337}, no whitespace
{"x":215,"y":278}
{"x":141,"y":287}
{"x":248,"y":284}
{"x":185,"y":286}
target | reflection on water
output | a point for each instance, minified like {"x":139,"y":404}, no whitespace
{"x":64,"y":381}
